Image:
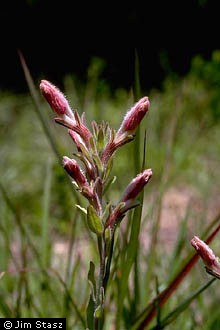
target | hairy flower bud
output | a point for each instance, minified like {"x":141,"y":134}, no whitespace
{"x":136,"y":185}
{"x":129,"y":196}
{"x":74,"y":170}
{"x":55,"y":98}
{"x":211,"y":262}
{"x":76,"y":139}
{"x":134,"y":116}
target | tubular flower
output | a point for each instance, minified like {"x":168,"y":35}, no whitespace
{"x":211,"y":262}
{"x":55,"y":99}
{"x":129,"y":196}
{"x":134,"y":116}
{"x":73,"y":169}
{"x":76,"y":139}
{"x":127,"y":129}
{"x":136,"y":185}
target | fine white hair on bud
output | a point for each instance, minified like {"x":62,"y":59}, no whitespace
{"x":134,"y":116}
{"x":210,"y":261}
{"x":55,"y":99}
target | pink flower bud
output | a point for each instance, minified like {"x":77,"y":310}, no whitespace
{"x":128,"y":198}
{"x":55,"y":98}
{"x":210,"y":260}
{"x":73,"y":169}
{"x":108,"y":151}
{"x":136,"y":185}
{"x":76,"y":139}
{"x":134,"y":116}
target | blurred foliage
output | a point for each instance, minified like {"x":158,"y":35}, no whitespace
{"x":183,"y":148}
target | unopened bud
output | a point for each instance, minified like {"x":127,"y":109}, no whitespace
{"x":55,"y":98}
{"x":211,"y":262}
{"x":74,"y":170}
{"x":128,"y":198}
{"x":136,"y":185}
{"x":134,"y":116}
{"x":76,"y":139}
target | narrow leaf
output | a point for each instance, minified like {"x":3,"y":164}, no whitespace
{"x":100,"y":140}
{"x":93,"y":220}
{"x":90,"y":313}
{"x":91,"y":276}
{"x":177,"y":311}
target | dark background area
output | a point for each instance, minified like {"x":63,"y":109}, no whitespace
{"x":61,"y":37}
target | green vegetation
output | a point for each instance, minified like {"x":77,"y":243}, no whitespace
{"x":45,"y":243}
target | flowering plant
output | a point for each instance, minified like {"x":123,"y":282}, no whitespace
{"x":95,"y":150}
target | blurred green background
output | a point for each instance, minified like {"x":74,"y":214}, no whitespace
{"x":40,"y":225}
{"x":45,"y":245}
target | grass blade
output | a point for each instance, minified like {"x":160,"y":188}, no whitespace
{"x":177,"y":311}
{"x":45,"y":218}
{"x":130,"y":257}
{"x":37,"y":103}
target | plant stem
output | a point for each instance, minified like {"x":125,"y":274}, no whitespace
{"x":99,"y":320}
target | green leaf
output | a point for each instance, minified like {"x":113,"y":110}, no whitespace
{"x":129,"y":255}
{"x":91,"y":277}
{"x":93,"y":220}
{"x":92,"y":144}
{"x":107,"y":173}
{"x":98,"y":162}
{"x":90,"y":313}
{"x":108,"y":235}
{"x":85,"y":152}
{"x":109,"y":182}
{"x":100,"y":140}
{"x":106,"y":212}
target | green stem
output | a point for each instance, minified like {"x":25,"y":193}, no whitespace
{"x":108,"y":264}
{"x":99,"y":320}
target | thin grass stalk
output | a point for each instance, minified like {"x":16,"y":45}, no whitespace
{"x":170,"y":140}
{"x":70,"y":280}
{"x":129,"y":256}
{"x":19,"y":222}
{"x":37,"y":104}
{"x":137,"y":166}
{"x":30,"y":246}
{"x":24,"y":275}
{"x":182,"y":307}
{"x":45,"y":218}
{"x":175,"y":261}
{"x":71,"y":241}
{"x":7,"y":250}
{"x":45,"y":241}
{"x":22,"y":236}
{"x":68,"y":293}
